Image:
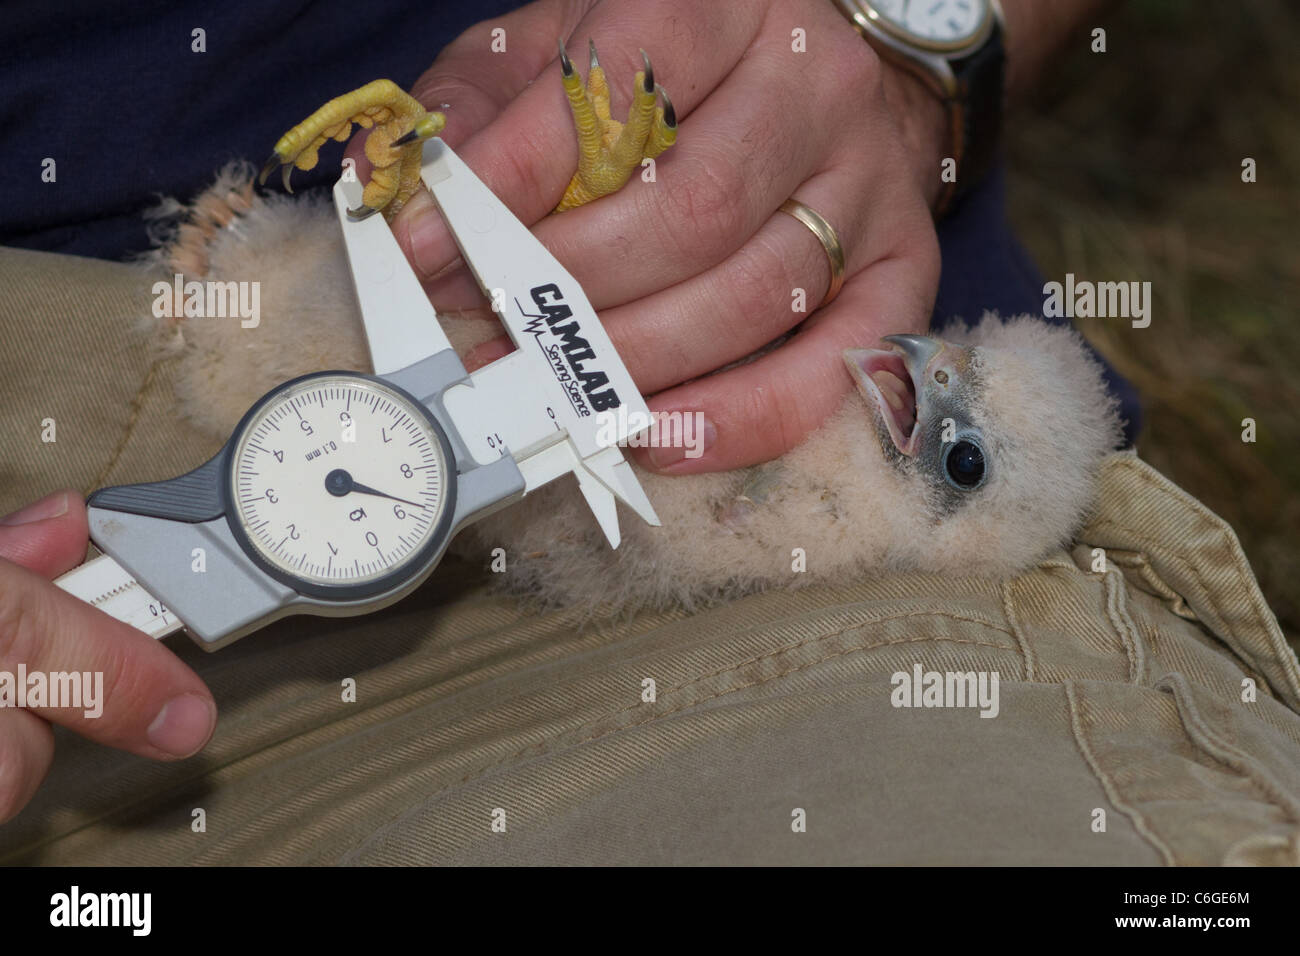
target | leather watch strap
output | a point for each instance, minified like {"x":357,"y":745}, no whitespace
{"x":980,"y":78}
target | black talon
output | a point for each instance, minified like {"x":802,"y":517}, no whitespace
{"x":409,"y":138}
{"x":360,"y":213}
{"x":268,"y":167}
{"x":670,"y":114}
{"x":565,"y":65}
{"x":649,"y":83}
{"x":284,"y":177}
{"x":591,"y":45}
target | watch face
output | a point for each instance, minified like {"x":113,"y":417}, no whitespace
{"x":934,"y":24}
{"x":339,"y":481}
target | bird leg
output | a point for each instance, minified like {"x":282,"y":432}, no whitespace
{"x":399,"y":125}
{"x":608,"y":151}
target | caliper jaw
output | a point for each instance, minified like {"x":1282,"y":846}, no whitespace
{"x":565,"y":384}
{"x":563,"y":400}
{"x":500,"y":413}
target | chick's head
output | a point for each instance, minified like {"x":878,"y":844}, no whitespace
{"x":998,"y":431}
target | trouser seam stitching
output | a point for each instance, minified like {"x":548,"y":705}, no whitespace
{"x":1147,"y":476}
{"x":1108,"y":785}
{"x":1219,"y":749}
{"x":1008,"y":610}
{"x":1117,"y":613}
{"x":137,"y":406}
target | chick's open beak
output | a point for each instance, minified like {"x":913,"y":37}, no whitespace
{"x":891,"y":379}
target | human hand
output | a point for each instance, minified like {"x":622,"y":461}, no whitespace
{"x":151,"y":704}
{"x":698,"y":269}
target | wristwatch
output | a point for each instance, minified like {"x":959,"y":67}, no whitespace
{"x":955,"y":47}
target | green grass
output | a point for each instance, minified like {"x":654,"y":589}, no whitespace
{"x":1128,"y":166}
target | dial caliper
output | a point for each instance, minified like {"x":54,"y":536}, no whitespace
{"x":339,"y":491}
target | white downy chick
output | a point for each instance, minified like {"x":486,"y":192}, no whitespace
{"x":972,"y":455}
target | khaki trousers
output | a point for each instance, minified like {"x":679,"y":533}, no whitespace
{"x":1126,"y":732}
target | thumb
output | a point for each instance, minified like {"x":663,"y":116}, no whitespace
{"x":152,"y":704}
{"x":48,"y":536}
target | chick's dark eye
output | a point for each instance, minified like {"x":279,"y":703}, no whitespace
{"x":965,"y":464}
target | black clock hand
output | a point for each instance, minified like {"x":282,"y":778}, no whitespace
{"x":367,"y":490}
{"x":339,"y":483}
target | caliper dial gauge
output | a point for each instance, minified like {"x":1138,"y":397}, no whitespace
{"x":340,"y":485}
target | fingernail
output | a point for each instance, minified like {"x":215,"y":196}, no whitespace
{"x":680,"y":435}
{"x":51,"y":506}
{"x":183,"y":725}
{"x":431,"y":244}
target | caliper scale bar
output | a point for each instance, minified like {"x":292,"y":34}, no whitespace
{"x":103,"y":583}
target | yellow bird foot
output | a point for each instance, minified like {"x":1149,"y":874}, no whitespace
{"x":608,"y":151}
{"x":399,"y":126}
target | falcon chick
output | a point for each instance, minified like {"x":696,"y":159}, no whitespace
{"x":976,"y":454}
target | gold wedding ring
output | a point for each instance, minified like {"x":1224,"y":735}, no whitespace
{"x":826,"y":236}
